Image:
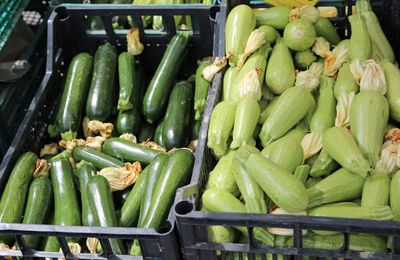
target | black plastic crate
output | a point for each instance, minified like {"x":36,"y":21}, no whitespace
{"x":193,"y":224}
{"x":66,"y":37}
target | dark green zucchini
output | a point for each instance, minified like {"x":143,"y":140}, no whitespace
{"x":201,"y":90}
{"x":175,"y":173}
{"x":129,"y":121}
{"x":14,"y":196}
{"x":154,"y":172}
{"x":129,"y":89}
{"x":146,"y":132}
{"x":102,"y":205}
{"x":38,"y":206}
{"x":85,"y":170}
{"x":155,"y":99}
{"x":129,"y":151}
{"x":74,"y":95}
{"x":66,"y":206}
{"x":99,"y":103}
{"x":158,"y":134}
{"x":176,"y":122}
{"x":129,"y":214}
{"x":98,"y":159}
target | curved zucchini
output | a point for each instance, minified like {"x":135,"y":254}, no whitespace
{"x":99,"y":104}
{"x":176,"y":122}
{"x":66,"y":206}
{"x":129,"y":87}
{"x":102,"y":205}
{"x":129,"y":151}
{"x":14,"y":196}
{"x":38,"y":206}
{"x":175,"y":174}
{"x":154,"y":172}
{"x":74,"y":96}
{"x":98,"y":159}
{"x":84,"y":171}
{"x":155,"y":99}
{"x":201,"y":90}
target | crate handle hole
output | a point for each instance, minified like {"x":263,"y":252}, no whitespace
{"x":61,"y":12}
{"x":166,"y":228}
{"x":184,"y":207}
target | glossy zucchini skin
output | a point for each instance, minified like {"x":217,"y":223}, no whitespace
{"x":99,"y":104}
{"x":129,"y":90}
{"x":146,"y":132}
{"x":129,"y":122}
{"x":85,"y":171}
{"x":129,"y":151}
{"x":102,"y":205}
{"x":176,"y":122}
{"x":74,"y":95}
{"x":175,"y":173}
{"x":98,"y":159}
{"x":15,"y":193}
{"x":66,"y":207}
{"x":156,"y":97}
{"x":38,"y":206}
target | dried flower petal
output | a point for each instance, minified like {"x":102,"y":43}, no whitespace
{"x":373,"y":78}
{"x":96,"y":127}
{"x":153,"y":145}
{"x":309,"y":13}
{"x":388,"y":158}
{"x":307,"y":79}
{"x":51,"y":149}
{"x":121,"y":178}
{"x":135,"y":47}
{"x":75,"y":248}
{"x":333,"y":62}
{"x":343,"y":110}
{"x":42,"y":168}
{"x":312,"y":144}
{"x":393,"y":135}
{"x":357,"y":69}
{"x":257,"y":38}
{"x":193,"y":145}
{"x":95,"y":142}
{"x":317,"y":68}
{"x":129,"y":137}
{"x":93,"y":244}
{"x":70,"y":145}
{"x":250,"y":85}
{"x":294,"y":14}
{"x":322,"y":47}
{"x":212,"y":69}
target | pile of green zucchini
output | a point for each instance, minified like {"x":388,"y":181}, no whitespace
{"x":119,"y":176}
{"x":307,"y":125}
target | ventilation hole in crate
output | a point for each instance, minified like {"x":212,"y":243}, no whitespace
{"x":94,"y":25}
{"x":183,"y":207}
{"x":166,"y":228}
{"x":121,"y":24}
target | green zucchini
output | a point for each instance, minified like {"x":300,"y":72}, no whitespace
{"x":146,"y":132}
{"x":325,"y":28}
{"x":360,"y":46}
{"x":277,"y":16}
{"x":66,"y":206}
{"x":127,"y":150}
{"x":335,"y":188}
{"x":98,"y":159}
{"x":345,"y":211}
{"x":274,"y":180}
{"x":222,"y":176}
{"x":154,"y":172}
{"x":74,"y":95}
{"x":201,"y":90}
{"x":99,"y":104}
{"x":301,"y":172}
{"x":129,"y":214}
{"x":392,"y":74}
{"x":324,"y":165}
{"x":38,"y":206}
{"x":14,"y":196}
{"x":158,"y":136}
{"x":229,"y":78}
{"x":129,"y":122}
{"x":177,"y":117}
{"x":376,"y":190}
{"x":101,"y":204}
{"x":394,"y":195}
{"x":129,"y":89}
{"x":345,"y":82}
{"x":84,"y":171}
{"x":175,"y":173}
{"x":156,"y":97}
